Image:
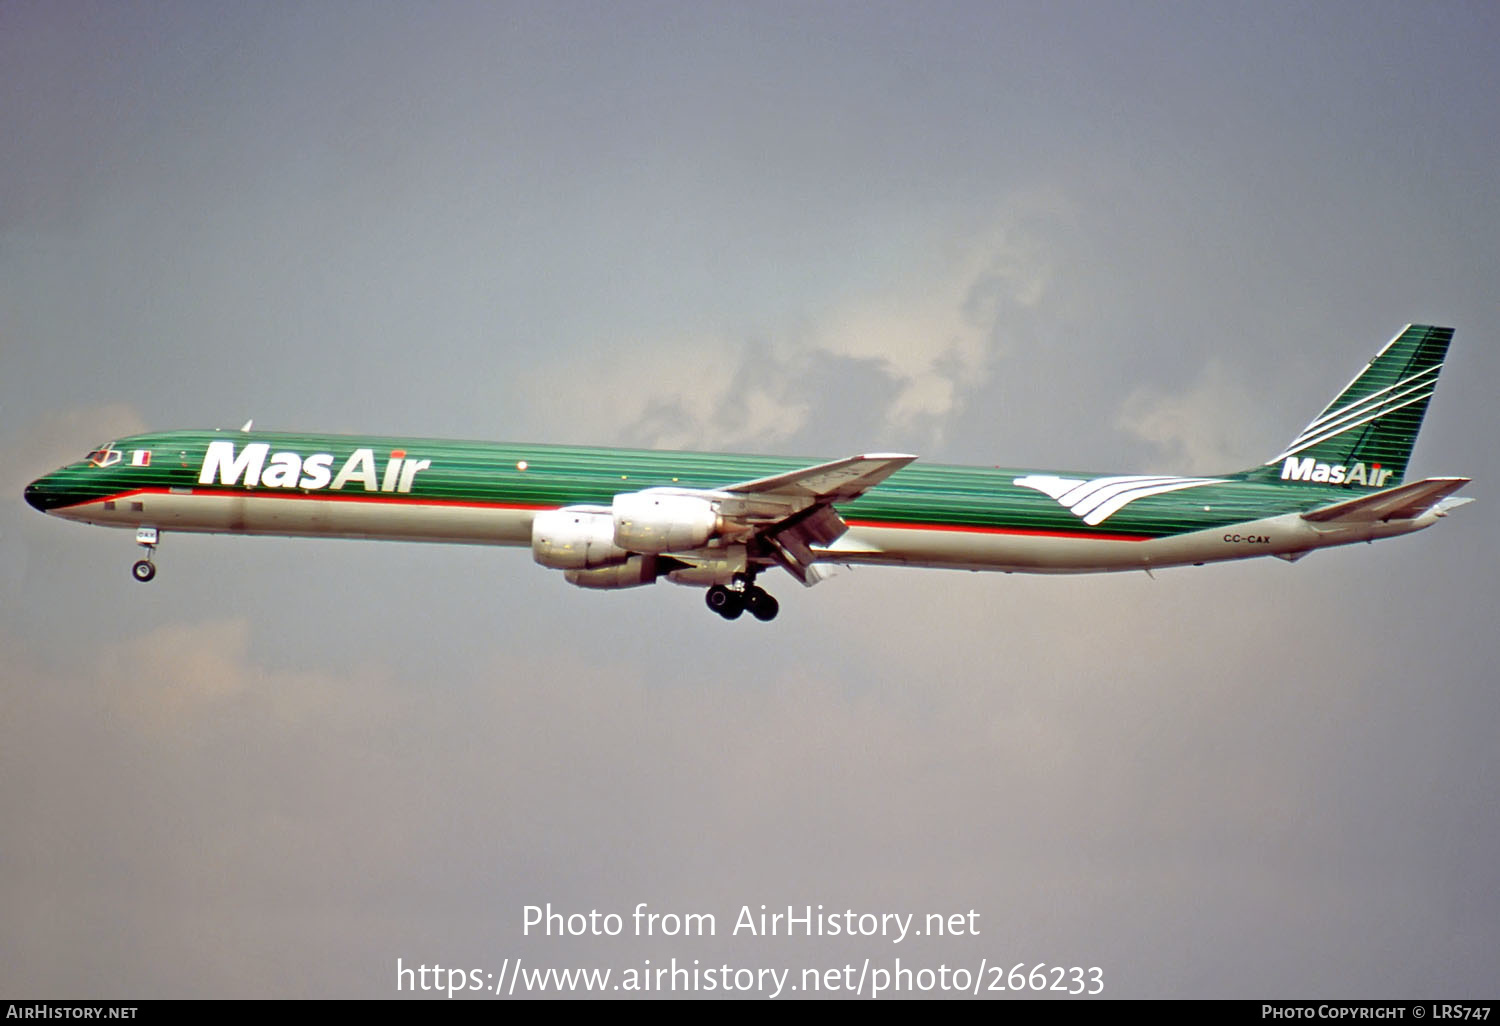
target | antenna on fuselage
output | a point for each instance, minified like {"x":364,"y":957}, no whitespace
{"x":249,"y":422}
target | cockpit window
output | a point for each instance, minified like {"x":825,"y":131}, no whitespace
{"x":105,"y":456}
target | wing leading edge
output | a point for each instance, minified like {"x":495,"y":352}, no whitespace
{"x":838,"y":481}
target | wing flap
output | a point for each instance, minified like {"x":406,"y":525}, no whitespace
{"x":1404,"y":502}
{"x":790,"y":542}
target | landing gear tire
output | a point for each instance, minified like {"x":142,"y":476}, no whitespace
{"x":728,"y":604}
{"x":731,"y":603}
{"x":761,"y":605}
{"x":147,"y":538}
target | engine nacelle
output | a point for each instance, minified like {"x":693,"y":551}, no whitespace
{"x":576,"y":538}
{"x":715,"y":567}
{"x":634,"y":572}
{"x":663,"y":521}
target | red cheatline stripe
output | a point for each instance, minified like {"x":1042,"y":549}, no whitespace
{"x":471,"y":504}
{"x":395,"y":499}
{"x":971,"y":529}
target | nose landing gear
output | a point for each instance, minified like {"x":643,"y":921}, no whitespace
{"x":146,"y":538}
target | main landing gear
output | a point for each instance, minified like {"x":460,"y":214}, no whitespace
{"x":144,"y":569}
{"x":731,"y":602}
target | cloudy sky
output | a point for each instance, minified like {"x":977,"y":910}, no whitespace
{"x":1126,"y":237}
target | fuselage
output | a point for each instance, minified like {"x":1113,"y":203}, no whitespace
{"x":926,"y":515}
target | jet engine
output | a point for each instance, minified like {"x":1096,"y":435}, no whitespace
{"x":578,"y":538}
{"x":632,"y":573}
{"x":663,"y":520}
{"x":710,"y":566}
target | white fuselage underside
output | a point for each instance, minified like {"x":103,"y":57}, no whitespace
{"x":964,"y":549}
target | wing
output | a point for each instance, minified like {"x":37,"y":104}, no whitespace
{"x":1404,"y":502}
{"x":789,"y":513}
{"x":838,"y":481}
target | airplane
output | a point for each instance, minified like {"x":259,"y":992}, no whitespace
{"x":613,"y":518}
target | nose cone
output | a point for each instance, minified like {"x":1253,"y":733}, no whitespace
{"x":38,"y":497}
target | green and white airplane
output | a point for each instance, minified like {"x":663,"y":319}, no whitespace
{"x":617,"y":518}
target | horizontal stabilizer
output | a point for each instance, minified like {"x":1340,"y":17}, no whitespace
{"x":1405,"y":502}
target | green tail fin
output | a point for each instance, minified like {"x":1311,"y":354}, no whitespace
{"x":1365,"y":436}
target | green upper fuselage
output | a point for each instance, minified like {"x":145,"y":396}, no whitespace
{"x":344,"y":468}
